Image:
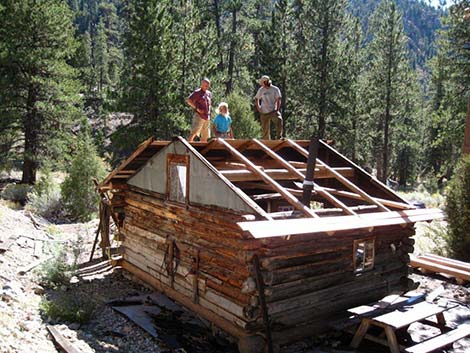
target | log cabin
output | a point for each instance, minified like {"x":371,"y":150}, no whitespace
{"x":265,"y":239}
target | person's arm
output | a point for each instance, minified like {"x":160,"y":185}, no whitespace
{"x":278,"y":104}
{"x":231,"y":132}
{"x":257,"y":99}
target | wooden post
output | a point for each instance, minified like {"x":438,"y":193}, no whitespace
{"x":262,"y":302}
{"x":311,"y":161}
{"x":104,"y":221}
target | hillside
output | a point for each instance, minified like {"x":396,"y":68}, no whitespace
{"x":421,"y":21}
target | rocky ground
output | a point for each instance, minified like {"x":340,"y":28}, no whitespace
{"x":23,"y":326}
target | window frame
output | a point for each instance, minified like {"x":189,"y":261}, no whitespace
{"x":177,"y":159}
{"x":364,"y":267}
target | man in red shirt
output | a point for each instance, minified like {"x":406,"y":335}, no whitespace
{"x":200,"y":100}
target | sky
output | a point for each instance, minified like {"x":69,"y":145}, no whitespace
{"x":436,"y":3}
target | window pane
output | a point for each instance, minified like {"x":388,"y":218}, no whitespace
{"x":177,"y":182}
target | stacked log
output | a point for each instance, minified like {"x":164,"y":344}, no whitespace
{"x":201,"y":254}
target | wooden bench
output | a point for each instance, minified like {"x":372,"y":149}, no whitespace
{"x":441,"y":340}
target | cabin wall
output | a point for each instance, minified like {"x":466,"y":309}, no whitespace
{"x":199,"y":252}
{"x":205,"y":187}
{"x":310,"y":278}
{"x":199,"y":255}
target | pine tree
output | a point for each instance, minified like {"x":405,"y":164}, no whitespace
{"x":40,"y":93}
{"x":316,"y":66}
{"x":386,"y":80}
{"x":149,"y":82}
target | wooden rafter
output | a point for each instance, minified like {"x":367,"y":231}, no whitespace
{"x":241,"y":194}
{"x":301,"y":176}
{"x":287,"y":195}
{"x":340,"y":178}
{"x":142,"y":147}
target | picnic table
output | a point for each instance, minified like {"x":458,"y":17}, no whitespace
{"x":399,"y":315}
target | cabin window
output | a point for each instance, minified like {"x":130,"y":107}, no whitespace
{"x":177,"y":178}
{"x":363,"y":255}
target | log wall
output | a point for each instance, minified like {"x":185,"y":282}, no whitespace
{"x":201,"y":254}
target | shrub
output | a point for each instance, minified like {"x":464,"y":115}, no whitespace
{"x":431,"y":238}
{"x":56,"y":272}
{"x":78,"y":191}
{"x":69,"y":307}
{"x":44,"y":199}
{"x":16,"y":192}
{"x":458,"y":211}
{"x":243,"y":120}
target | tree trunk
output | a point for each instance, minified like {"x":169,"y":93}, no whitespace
{"x":31,"y":126}
{"x":218,"y":28}
{"x":231,"y":60}
{"x":466,"y":139}
{"x":388,"y":102}
{"x":323,"y":78}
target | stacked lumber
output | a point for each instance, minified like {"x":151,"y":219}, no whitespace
{"x":438,"y":264}
{"x":200,"y":256}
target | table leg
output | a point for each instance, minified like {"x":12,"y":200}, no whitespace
{"x":360,"y":333}
{"x":441,"y":322}
{"x":392,"y":340}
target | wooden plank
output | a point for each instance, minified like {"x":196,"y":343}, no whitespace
{"x":436,"y":267}
{"x":359,"y":171}
{"x":123,"y":165}
{"x":385,"y":202}
{"x":441,"y":341}
{"x":459,"y":265}
{"x":5,"y":244}
{"x":402,"y":318}
{"x":63,"y":343}
{"x":330,"y":225}
{"x":288,"y":196}
{"x":301,"y":176}
{"x":241,"y":194}
{"x":340,"y":178}
{"x":219,"y":321}
{"x":283,"y":174}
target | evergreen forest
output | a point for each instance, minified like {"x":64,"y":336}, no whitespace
{"x":388,"y":81}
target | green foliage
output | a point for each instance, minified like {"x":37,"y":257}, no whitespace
{"x":458,"y":210}
{"x":78,"y":191}
{"x":69,"y":307}
{"x":16,"y":192}
{"x":45,"y":198}
{"x":431,"y":238}
{"x":40,"y":93}
{"x":244,"y":124}
{"x":56,"y":272}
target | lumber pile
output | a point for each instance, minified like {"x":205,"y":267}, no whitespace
{"x":437,"y":264}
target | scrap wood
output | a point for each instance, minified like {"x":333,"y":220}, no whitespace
{"x":442,"y":265}
{"x":63,"y":343}
{"x":5,"y":244}
{"x":32,"y":265}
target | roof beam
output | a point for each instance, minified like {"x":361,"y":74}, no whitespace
{"x":325,"y":194}
{"x":340,"y":178}
{"x":279,"y":174}
{"x":287,"y":195}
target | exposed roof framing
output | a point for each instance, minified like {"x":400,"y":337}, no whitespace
{"x":265,"y":171}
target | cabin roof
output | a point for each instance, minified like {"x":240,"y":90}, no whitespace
{"x":264,"y":171}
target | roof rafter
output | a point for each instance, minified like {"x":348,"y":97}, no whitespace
{"x":287,"y":195}
{"x":301,"y":176}
{"x":339,"y":177}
